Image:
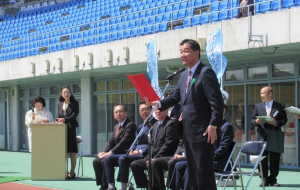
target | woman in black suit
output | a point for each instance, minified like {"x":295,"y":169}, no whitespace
{"x":68,"y":109}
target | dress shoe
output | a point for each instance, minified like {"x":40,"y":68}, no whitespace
{"x":103,"y":188}
{"x":266,"y":183}
{"x":71,"y":176}
{"x":275,"y":184}
{"x":113,"y":188}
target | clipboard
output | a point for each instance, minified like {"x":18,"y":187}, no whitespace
{"x":143,"y":87}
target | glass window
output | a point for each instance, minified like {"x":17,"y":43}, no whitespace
{"x":33,"y":92}
{"x":54,"y":90}
{"x":113,"y":85}
{"x":129,"y":100}
{"x":236,"y":115}
{"x":258,"y":72}
{"x":24,"y":92}
{"x":100,"y":122}
{"x":53,"y":106}
{"x":76,"y":88}
{"x":127,"y":84}
{"x":44,"y":90}
{"x":2,"y":124}
{"x":234,"y":74}
{"x":24,"y":108}
{"x":284,"y":92}
{"x":99,"y":86}
{"x":163,"y":83}
{"x":283,"y":70}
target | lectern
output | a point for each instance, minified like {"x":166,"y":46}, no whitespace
{"x":49,"y":151}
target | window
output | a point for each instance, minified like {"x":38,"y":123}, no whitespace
{"x":283,"y":70}
{"x":234,"y":74}
{"x":76,"y":88}
{"x":99,"y":86}
{"x":258,"y":72}
{"x":127,"y":84}
{"x":113,"y":85}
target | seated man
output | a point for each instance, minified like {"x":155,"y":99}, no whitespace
{"x":139,"y":151}
{"x":162,"y":145}
{"x":119,"y":143}
{"x":221,"y":155}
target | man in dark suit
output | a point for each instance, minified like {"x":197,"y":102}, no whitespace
{"x":162,"y":145}
{"x":119,"y":143}
{"x":268,"y":107}
{"x":175,"y":110}
{"x":139,"y":151}
{"x":202,"y":107}
{"x":221,"y":156}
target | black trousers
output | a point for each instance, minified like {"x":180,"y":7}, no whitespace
{"x":274,"y":165}
{"x":200,"y":157}
{"x":158,"y":167}
{"x":98,"y":165}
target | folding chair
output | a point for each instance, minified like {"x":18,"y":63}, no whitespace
{"x":79,"y":154}
{"x":250,"y":148}
{"x":231,"y":148}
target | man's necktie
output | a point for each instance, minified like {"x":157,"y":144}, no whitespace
{"x":186,"y":89}
{"x":268,"y":109}
{"x":118,"y":131}
{"x":158,"y":129}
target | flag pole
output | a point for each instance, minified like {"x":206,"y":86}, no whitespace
{"x":221,"y":57}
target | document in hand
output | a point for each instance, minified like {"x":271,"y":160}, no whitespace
{"x":293,"y":109}
{"x":143,"y":87}
{"x":265,"y":118}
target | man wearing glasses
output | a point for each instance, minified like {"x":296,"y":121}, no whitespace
{"x":139,"y":151}
{"x":119,"y":143}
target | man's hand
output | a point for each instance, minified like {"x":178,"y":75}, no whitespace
{"x":212,"y":134}
{"x":45,"y":121}
{"x":60,"y":120}
{"x":33,"y":115}
{"x":297,"y":115}
{"x":104,"y":155}
{"x":149,"y":103}
{"x":177,"y":156}
{"x":134,"y":152}
{"x":100,"y":154}
{"x":259,"y":121}
{"x":273,"y":122}
{"x":148,"y":161}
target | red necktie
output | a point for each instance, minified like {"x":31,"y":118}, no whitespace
{"x":186,"y":89}
{"x":118,"y":131}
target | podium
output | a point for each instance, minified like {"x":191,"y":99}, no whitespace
{"x":49,"y":159}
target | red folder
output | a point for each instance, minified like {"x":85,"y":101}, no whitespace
{"x":143,"y":87}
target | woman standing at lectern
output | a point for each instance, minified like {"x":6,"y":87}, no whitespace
{"x":68,"y":109}
{"x":38,"y":109}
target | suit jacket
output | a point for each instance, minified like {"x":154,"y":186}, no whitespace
{"x":251,"y":8}
{"x":222,"y":146}
{"x":125,"y":138}
{"x":277,"y":112}
{"x":162,"y":142}
{"x":202,"y":105}
{"x":72,"y":112}
{"x":142,"y":142}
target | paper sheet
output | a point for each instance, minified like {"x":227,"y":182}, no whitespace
{"x":39,"y":119}
{"x":293,"y":109}
{"x":265,"y":118}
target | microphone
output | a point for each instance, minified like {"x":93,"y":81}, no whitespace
{"x":170,"y":77}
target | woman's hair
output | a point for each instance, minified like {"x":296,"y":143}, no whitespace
{"x":61,"y":99}
{"x":38,"y":99}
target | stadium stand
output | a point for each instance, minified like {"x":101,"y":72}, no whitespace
{"x":78,"y":23}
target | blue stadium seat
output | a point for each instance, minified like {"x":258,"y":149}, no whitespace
{"x":176,"y":7}
{"x":144,"y":22}
{"x":166,"y":18}
{"x":184,"y":5}
{"x":215,"y":17}
{"x":149,"y":30}
{"x":286,"y":4}
{"x":257,"y":9}
{"x":126,"y":34}
{"x":161,"y":10}
{"x":142,"y":15}
{"x":235,"y":3}
{"x":118,"y":20}
{"x":168,"y":9}
{"x":63,"y":46}
{"x":225,"y":15}
{"x":175,"y":16}
{"x":158,"y":19}
{"x":181,"y":14}
{"x":79,"y":43}
{"x":113,"y":28}
{"x":234,"y":13}
{"x":119,"y":27}
{"x":204,"y":18}
{"x":275,"y":5}
{"x":224,"y":5}
{"x":133,"y":33}
{"x":205,"y":2}
{"x":264,"y":7}
{"x":163,"y":27}
{"x":149,"y":13}
{"x":141,"y":31}
{"x":113,"y":37}
{"x":85,"y":34}
{"x":133,"y":24}
{"x":140,"y":8}
{"x":119,"y":35}
{"x":297,"y":3}
{"x":165,"y":2}
{"x":197,"y":3}
{"x":196,"y":21}
{"x":215,"y":7}
{"x":135,"y":16}
{"x":91,"y":33}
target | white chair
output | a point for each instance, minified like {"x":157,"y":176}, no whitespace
{"x":79,"y":141}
